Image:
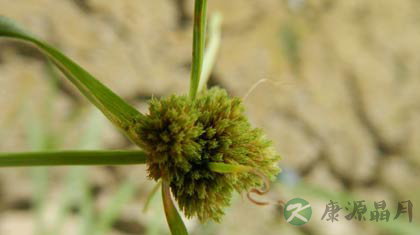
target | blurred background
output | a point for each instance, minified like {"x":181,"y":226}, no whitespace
{"x":338,"y":94}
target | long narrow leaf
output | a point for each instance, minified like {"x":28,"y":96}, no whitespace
{"x":114,"y":108}
{"x":173,"y":218}
{"x":60,"y":158}
{"x":151,"y":195}
{"x":228,"y":168}
{"x":200,"y":14}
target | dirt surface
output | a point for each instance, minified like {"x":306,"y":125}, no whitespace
{"x":339,"y":97}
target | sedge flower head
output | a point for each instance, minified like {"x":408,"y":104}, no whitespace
{"x":182,"y":136}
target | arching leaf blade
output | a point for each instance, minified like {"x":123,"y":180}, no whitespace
{"x":73,"y":158}
{"x":114,"y":107}
{"x":173,"y":218}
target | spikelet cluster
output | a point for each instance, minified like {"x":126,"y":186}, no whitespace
{"x":181,"y":136}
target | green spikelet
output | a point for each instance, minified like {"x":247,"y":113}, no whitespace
{"x":181,"y":136}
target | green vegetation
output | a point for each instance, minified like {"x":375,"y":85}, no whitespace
{"x":195,"y":144}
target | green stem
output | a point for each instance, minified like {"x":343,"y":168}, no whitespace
{"x":199,"y":35}
{"x":151,"y":195}
{"x":176,"y":225}
{"x":228,"y":168}
{"x":60,"y":158}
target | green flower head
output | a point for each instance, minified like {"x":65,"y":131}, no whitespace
{"x":182,"y":136}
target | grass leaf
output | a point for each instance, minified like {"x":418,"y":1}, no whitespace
{"x":200,"y":14}
{"x":115,"y":109}
{"x":228,"y":168}
{"x":151,"y":195}
{"x":78,"y":157}
{"x":173,"y":218}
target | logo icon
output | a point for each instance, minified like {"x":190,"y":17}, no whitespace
{"x":297,"y":211}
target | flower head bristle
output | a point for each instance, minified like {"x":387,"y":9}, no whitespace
{"x":182,"y":136}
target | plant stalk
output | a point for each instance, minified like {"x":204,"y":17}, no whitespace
{"x":61,"y":158}
{"x":176,"y":225}
{"x":199,"y":35}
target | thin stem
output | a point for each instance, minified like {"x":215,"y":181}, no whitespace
{"x":176,"y":225}
{"x":60,"y":158}
{"x":151,"y":195}
{"x":200,"y":15}
{"x":220,"y":167}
